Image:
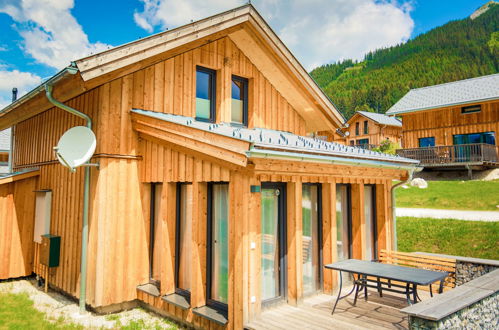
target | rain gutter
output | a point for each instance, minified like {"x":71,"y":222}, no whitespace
{"x":86,"y":192}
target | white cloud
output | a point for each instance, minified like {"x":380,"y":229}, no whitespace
{"x":316,"y":31}
{"x":51,"y":34}
{"x":23,"y":81}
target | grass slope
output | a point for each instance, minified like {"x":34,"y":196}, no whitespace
{"x":454,"y":237}
{"x":17,"y":312}
{"x":452,"y":195}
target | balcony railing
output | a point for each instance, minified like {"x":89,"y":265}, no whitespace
{"x":366,"y":146}
{"x":453,"y":155}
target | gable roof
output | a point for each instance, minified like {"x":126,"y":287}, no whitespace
{"x":5,"y":140}
{"x":267,"y":141}
{"x":380,"y":118}
{"x":247,"y":30}
{"x":460,"y":92}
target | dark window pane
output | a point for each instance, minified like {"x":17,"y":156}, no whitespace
{"x":236,"y":89}
{"x":185,"y":236}
{"x":205,"y":91}
{"x":426,"y":142}
{"x":239,"y":100}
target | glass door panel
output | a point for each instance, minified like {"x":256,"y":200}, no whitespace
{"x":310,"y":238}
{"x":369,"y":215}
{"x":220,"y":244}
{"x":271,"y":279}
{"x":342,"y":222}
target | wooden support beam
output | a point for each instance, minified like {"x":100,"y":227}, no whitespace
{"x":294,"y":242}
{"x":168,"y":228}
{"x":329,"y":234}
{"x":382,"y":214}
{"x":198,"y":266}
{"x":358,"y":222}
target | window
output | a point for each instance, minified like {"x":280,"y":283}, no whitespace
{"x":154,"y":234}
{"x":205,"y":94}
{"x":352,"y":142}
{"x":370,"y":219}
{"x":485,"y":137}
{"x":343,"y":222}
{"x":357,"y":128}
{"x":311,"y":237}
{"x":471,"y":109}
{"x":239,"y":105}
{"x":427,"y":142}
{"x":362,"y":142}
{"x":218,"y":245}
{"x":183,"y":239}
{"x":366,"y":127}
{"x":42,"y":214}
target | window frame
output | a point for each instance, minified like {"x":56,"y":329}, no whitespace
{"x":366,"y":127}
{"x":471,"y":109}
{"x":213,"y":93}
{"x":245,"y":82}
{"x":209,"y":249}
{"x":349,"y":216}
{"x":357,"y":128}
{"x":319,"y":229}
{"x":426,"y":137}
{"x":178,"y":204}
{"x":374,"y":224}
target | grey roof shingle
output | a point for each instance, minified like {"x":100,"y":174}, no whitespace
{"x":279,"y":140}
{"x":5,"y":140}
{"x":381,"y":118}
{"x":454,"y":93}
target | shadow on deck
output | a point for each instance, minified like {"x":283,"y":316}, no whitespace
{"x":315,"y":313}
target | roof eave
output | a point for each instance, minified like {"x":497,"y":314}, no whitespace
{"x":394,"y":113}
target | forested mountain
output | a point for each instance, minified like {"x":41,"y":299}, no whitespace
{"x":457,"y":50}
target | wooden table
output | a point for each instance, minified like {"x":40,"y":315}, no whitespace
{"x":385,"y":274}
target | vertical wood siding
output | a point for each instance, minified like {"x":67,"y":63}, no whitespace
{"x":17,"y":206}
{"x":446,"y":122}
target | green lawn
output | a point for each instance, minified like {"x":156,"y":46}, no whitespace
{"x":453,"y":195}
{"x":17,"y":312}
{"x":454,"y":237}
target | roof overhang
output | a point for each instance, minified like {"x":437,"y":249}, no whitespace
{"x":17,"y":176}
{"x":450,"y":105}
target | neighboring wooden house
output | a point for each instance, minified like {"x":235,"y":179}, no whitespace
{"x":209,"y":203}
{"x":451,"y":125}
{"x":4,"y":151}
{"x":367,"y":130}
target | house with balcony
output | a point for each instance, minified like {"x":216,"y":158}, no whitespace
{"x":367,"y":130}
{"x":452,"y":125}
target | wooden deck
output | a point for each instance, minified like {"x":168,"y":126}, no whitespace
{"x":315,"y":313}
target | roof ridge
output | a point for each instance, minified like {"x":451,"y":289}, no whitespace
{"x":454,"y":82}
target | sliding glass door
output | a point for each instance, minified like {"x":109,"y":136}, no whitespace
{"x":273,"y":242}
{"x":311,"y":238}
{"x":218,"y":244}
{"x":343,"y":222}
{"x":183,"y":242}
{"x":371,"y":250}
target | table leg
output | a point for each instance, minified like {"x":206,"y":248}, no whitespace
{"x":380,"y":290}
{"x":339,"y":292}
{"x":364,"y":281}
{"x":431,"y":291}
{"x":356,"y":293}
{"x":408,"y":293}
{"x":441,"y":287}
{"x":415,"y":293}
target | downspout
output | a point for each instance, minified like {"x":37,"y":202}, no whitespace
{"x":394,"y":215}
{"x":86,"y":193}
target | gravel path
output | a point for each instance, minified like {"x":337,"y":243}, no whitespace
{"x":490,"y":216}
{"x":57,"y":307}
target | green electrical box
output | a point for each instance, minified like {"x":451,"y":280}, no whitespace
{"x":50,"y":250}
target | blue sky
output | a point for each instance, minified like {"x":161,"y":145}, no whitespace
{"x":40,"y":37}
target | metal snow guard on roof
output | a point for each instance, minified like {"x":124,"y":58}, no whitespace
{"x":263,"y":138}
{"x":466,"y":91}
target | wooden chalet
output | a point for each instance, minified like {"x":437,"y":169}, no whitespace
{"x":368,"y":130}
{"x":453,"y":125}
{"x":210,"y":202}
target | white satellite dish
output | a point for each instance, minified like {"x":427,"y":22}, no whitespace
{"x":76,"y":146}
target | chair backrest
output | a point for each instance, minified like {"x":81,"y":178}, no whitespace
{"x":422,"y":261}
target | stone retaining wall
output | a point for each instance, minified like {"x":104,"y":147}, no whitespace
{"x":467,"y":271}
{"x":481,"y":315}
